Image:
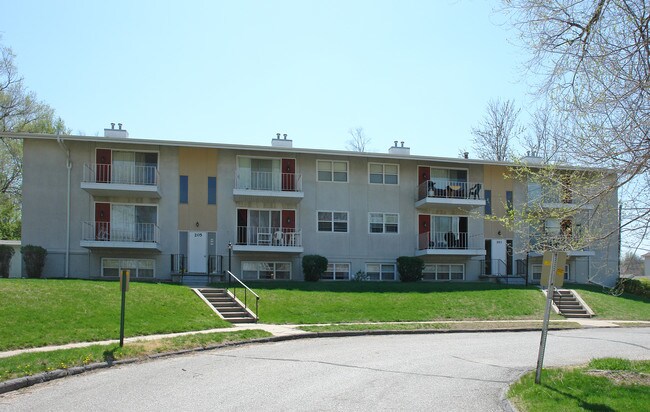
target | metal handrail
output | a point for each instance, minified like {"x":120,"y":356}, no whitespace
{"x":246,"y":290}
{"x":121,"y":174}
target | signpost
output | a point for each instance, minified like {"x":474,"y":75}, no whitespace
{"x":552,"y":274}
{"x":124,"y":287}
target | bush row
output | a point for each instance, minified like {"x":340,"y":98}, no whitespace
{"x":409,"y":268}
{"x":33,"y":259}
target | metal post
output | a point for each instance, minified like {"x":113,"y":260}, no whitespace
{"x":547,"y":315}
{"x":230,"y":257}
{"x":124,"y":284}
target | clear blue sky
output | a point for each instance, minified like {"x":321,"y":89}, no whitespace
{"x":240,"y":71}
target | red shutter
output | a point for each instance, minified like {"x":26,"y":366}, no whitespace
{"x":424,"y":222}
{"x":424,"y":174}
{"x":102,"y":221}
{"x":103,"y":165}
{"x":288,"y":220}
{"x":288,"y":175}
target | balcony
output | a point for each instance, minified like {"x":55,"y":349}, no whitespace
{"x":449,"y":195}
{"x":268,"y":239}
{"x":252,"y":186}
{"x":122,"y":236}
{"x":450,"y":244}
{"x":123,"y":180}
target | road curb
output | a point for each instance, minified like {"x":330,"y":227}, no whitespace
{"x":26,"y":381}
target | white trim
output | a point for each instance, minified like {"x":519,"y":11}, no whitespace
{"x":383,"y":173}
{"x":133,"y":275}
{"x":383,"y":232}
{"x":381,"y":273}
{"x":334,"y":271}
{"x":347,"y":227}
{"x":332,"y":161}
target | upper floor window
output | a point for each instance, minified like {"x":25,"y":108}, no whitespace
{"x":383,"y":173}
{"x":332,"y":221}
{"x":183,"y":189}
{"x":126,"y":167}
{"x":212,"y":190}
{"x":332,"y":171}
{"x":383,"y":222}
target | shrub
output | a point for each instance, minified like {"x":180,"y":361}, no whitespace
{"x":34,"y":260}
{"x":410,"y":268}
{"x":313,"y":266}
{"x":6,"y":252}
{"x":360,"y":276}
{"x":639,"y":287}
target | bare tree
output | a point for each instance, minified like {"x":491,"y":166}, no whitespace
{"x":499,"y":128}
{"x":593,"y":59}
{"x":543,"y":139}
{"x":358,"y":141}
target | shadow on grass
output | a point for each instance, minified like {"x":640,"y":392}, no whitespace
{"x":583,"y":404}
{"x":379,"y":287}
{"x":109,"y":355}
{"x":606,"y":291}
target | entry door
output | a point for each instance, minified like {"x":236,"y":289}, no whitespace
{"x":498,"y":255}
{"x":197,"y":247}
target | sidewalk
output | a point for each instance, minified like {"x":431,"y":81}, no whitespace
{"x":293,"y":330}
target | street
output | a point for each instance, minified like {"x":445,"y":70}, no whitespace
{"x":462,"y":371}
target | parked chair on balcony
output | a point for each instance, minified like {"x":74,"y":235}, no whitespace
{"x":263,"y":236}
{"x":475,"y":191}
{"x":452,"y":241}
{"x":278,"y":238}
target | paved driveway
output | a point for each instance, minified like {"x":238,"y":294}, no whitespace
{"x":465,"y":371}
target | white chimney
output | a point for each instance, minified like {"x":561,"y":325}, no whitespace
{"x":278,"y":142}
{"x":399,"y":150}
{"x":531,"y":158}
{"x":113,"y":132}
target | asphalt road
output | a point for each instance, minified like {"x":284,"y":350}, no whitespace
{"x":446,"y":372}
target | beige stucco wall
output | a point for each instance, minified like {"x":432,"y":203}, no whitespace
{"x":495,"y":181}
{"x":197,"y":165}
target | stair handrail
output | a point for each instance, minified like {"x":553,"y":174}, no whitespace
{"x":246,"y":290}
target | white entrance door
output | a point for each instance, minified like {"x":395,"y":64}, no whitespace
{"x":197,"y":246}
{"x":498,"y":257}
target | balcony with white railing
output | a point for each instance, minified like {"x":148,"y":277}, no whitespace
{"x":450,"y":243}
{"x":251,"y":185}
{"x":121,"y":180}
{"x":120,"y":236}
{"x":268,"y":239}
{"x":450,"y":194}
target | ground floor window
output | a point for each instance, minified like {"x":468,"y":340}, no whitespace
{"x":380,"y":271}
{"x":139,"y":268}
{"x":337,"y":271}
{"x":537,"y":272}
{"x":443,"y":271}
{"x":266,"y":270}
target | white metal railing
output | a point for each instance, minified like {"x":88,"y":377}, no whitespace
{"x":121,"y":174}
{"x":111,"y":232}
{"x":450,"y":189}
{"x":275,"y":182}
{"x":449,"y":240}
{"x":268,"y":236}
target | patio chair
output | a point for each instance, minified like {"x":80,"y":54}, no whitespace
{"x":475,"y":191}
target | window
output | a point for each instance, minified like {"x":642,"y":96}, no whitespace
{"x":133,"y":223}
{"x":509,"y":200}
{"x":383,"y":173}
{"x":443,"y":272}
{"x":266,"y":270}
{"x":380,"y":271}
{"x":383,"y":222}
{"x":139,"y":268}
{"x":537,"y":272}
{"x":212,"y":190}
{"x":259,"y":173}
{"x":333,"y":221}
{"x":488,"y":202}
{"x":183,"y":189}
{"x":337,"y":271}
{"x":332,"y":171}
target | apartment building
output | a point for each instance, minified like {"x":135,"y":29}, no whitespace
{"x":157,"y":207}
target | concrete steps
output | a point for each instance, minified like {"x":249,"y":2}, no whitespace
{"x":569,"y":305}
{"x":226,"y":306}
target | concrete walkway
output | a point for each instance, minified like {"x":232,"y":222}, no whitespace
{"x":293,"y":330}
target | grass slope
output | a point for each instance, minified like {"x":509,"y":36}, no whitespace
{"x":39,"y":312}
{"x":608,"y":384}
{"x":331,"y":302}
{"x":606,"y":306}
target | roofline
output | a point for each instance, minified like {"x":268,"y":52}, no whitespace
{"x":227,"y":146}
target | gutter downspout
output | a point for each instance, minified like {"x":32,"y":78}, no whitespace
{"x":68,"y":165}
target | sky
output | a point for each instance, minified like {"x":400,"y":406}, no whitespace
{"x":421,"y":72}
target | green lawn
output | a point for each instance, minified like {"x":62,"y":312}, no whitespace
{"x":31,"y":363}
{"x":603,"y":385}
{"x":335,"y":302}
{"x":606,"y":306}
{"x":39,"y":312}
